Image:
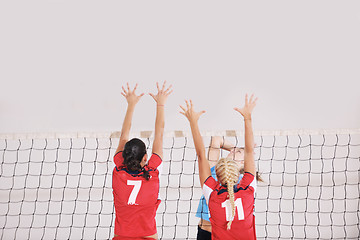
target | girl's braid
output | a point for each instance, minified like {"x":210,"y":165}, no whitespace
{"x":227,"y":172}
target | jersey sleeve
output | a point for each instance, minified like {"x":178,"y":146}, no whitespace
{"x":248,"y":180}
{"x":118,"y":159}
{"x":209,"y":186}
{"x":155,"y":162}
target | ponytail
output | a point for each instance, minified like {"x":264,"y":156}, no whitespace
{"x":133,"y":154}
{"x":145,"y":174}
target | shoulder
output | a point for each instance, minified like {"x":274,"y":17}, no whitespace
{"x":118,"y":154}
{"x":118,"y":159}
{"x":248,"y":182}
{"x":209,"y":186}
{"x":154,"y":161}
{"x":211,"y":183}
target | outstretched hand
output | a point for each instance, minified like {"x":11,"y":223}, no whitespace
{"x":162,"y":95}
{"x":189,"y":112}
{"x":130,"y":95}
{"x":248,"y":107}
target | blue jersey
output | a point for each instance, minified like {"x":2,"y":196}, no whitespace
{"x":203,"y":209}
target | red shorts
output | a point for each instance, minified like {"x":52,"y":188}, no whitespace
{"x":130,"y":238}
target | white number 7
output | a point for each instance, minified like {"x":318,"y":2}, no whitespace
{"x":135,"y":191}
{"x":238,"y":206}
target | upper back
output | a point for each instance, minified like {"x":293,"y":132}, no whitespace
{"x":220,"y":207}
{"x":131,"y":188}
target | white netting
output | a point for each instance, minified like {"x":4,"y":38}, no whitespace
{"x":58,"y":186}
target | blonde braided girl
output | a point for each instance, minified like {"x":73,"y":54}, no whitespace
{"x":227,"y":172}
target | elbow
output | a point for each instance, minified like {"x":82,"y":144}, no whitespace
{"x":249,"y":150}
{"x":201,"y":155}
{"x":160,"y":126}
{"x":249,"y":147}
{"x":159,"y":132}
{"x":216,"y":141}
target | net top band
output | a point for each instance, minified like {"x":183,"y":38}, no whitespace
{"x":178,"y":133}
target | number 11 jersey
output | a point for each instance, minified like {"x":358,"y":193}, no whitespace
{"x":217,"y":197}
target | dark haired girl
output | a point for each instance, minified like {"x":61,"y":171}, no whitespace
{"x":136,"y":180}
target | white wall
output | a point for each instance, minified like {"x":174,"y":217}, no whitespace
{"x":62,"y":63}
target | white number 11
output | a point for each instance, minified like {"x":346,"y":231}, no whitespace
{"x":238,"y":206}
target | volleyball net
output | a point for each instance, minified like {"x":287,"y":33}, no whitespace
{"x":59,"y":186}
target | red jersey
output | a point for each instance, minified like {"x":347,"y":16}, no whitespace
{"x":243,"y":225}
{"x":135,"y":198}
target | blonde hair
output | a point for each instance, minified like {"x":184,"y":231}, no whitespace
{"x":227,"y":173}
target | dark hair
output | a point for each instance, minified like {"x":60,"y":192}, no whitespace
{"x":133,"y":153}
{"x":258,"y":175}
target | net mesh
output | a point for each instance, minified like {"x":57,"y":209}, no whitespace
{"x":60,"y":187}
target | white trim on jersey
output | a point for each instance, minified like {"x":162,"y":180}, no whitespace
{"x":160,"y":168}
{"x":253,"y":184}
{"x":207,"y":192}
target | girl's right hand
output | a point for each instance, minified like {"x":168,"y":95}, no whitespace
{"x":130,"y":95}
{"x":189,"y":112}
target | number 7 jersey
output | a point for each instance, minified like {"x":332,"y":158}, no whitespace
{"x":135,"y":198}
{"x":243,"y":225}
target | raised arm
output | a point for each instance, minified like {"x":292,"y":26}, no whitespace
{"x":193,"y":117}
{"x":132,"y":99}
{"x":217,"y":143}
{"x":246,"y":111}
{"x":160,"y":99}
